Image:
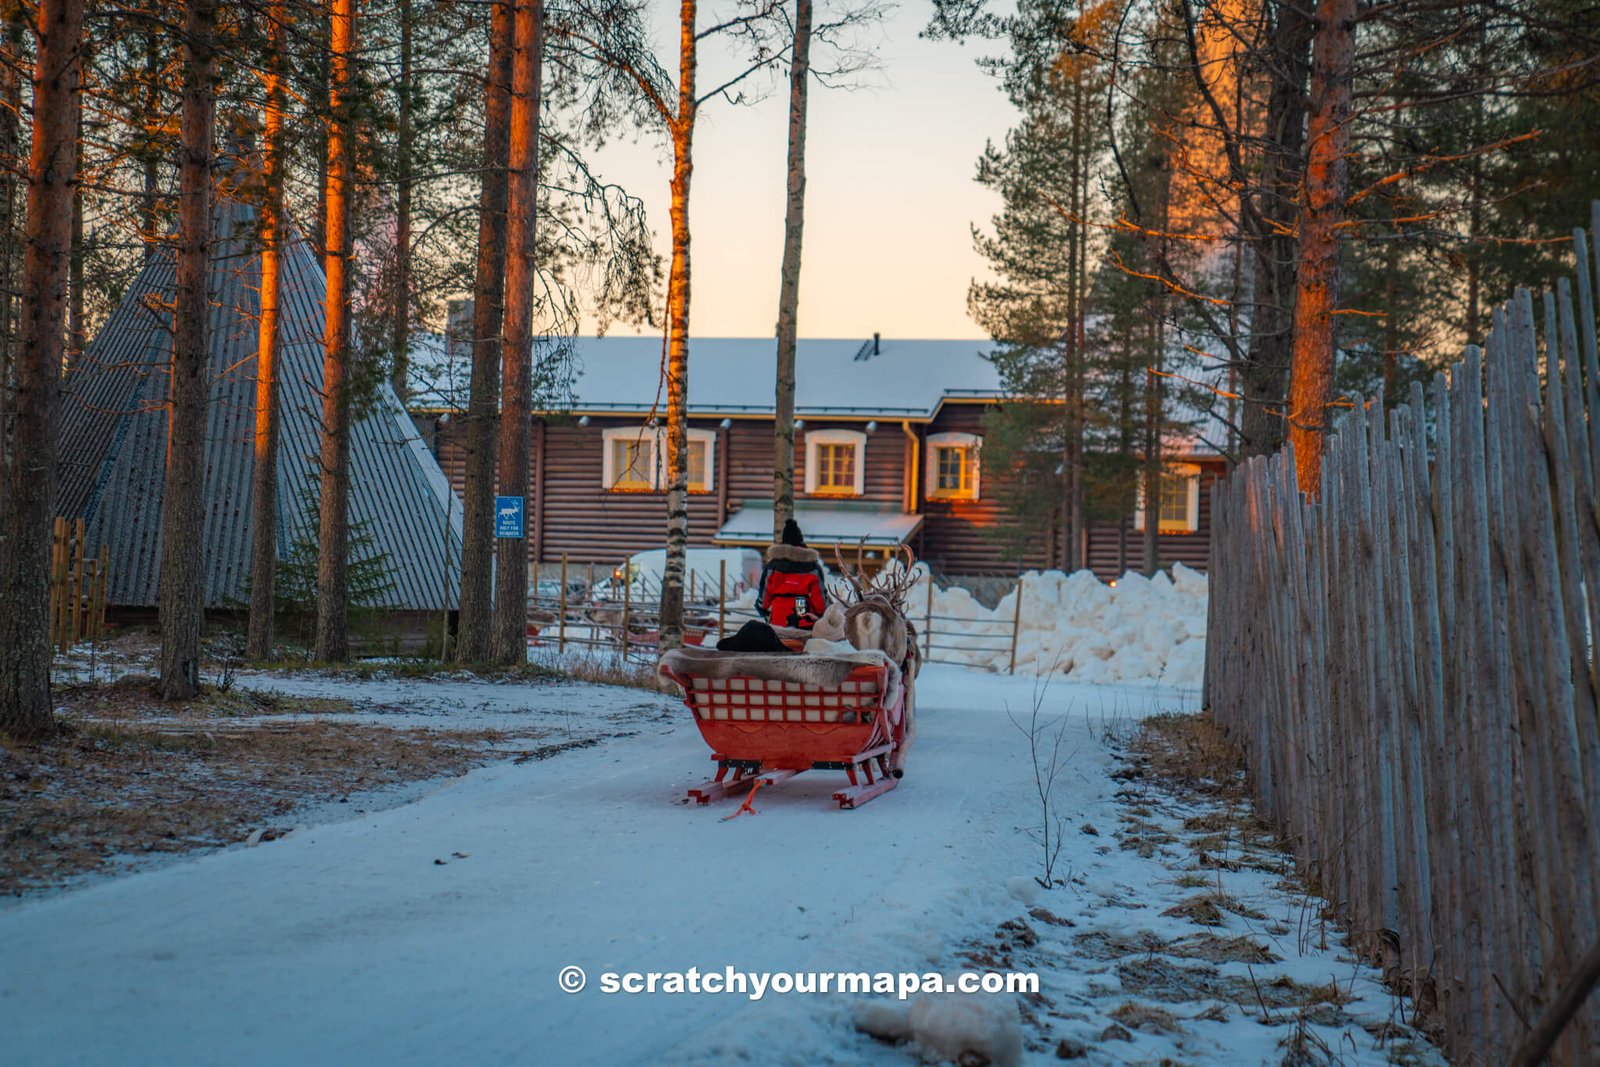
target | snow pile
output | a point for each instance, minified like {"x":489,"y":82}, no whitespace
{"x":1139,"y":630}
{"x":950,"y":1027}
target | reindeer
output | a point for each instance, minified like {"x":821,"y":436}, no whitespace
{"x":875,"y":618}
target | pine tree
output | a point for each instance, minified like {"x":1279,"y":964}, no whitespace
{"x":510,"y":643}
{"x":25,"y":705}
{"x":333,"y":541}
{"x":181,"y":596}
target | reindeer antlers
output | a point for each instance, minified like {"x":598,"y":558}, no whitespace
{"x":892,"y":587}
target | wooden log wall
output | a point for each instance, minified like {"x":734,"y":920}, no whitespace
{"x":1411,"y":663}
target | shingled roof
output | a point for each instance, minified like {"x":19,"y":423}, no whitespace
{"x":114,"y":429}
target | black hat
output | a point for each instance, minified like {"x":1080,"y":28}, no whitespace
{"x":753,"y":636}
{"x":792,"y":534}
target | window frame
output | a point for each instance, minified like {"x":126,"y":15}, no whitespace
{"x":1190,"y":473}
{"x":815,"y":439}
{"x":709,"y":438}
{"x":647,"y":439}
{"x":973,"y":443}
{"x":655,"y":441}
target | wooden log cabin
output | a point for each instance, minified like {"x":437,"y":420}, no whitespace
{"x":888,"y":448}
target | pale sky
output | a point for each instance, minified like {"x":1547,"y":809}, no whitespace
{"x":889,"y":193}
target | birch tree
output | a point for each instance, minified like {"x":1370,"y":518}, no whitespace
{"x":789,"y":283}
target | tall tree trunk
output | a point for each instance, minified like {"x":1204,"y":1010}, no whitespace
{"x":150,"y":197}
{"x":1391,"y":315}
{"x":1153,"y":404}
{"x":400,"y":339}
{"x":181,"y":594}
{"x":264,"y":475}
{"x":1265,"y":373}
{"x":678,"y":337}
{"x":511,"y":553}
{"x":11,"y":166}
{"x":333,"y":535}
{"x":75,"y":266}
{"x":75,"y":325}
{"x":1077,"y":282}
{"x":1317,"y":280}
{"x":483,"y":402}
{"x":25,"y":555}
{"x":789,"y":285}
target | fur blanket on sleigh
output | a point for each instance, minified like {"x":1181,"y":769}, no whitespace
{"x":827,"y":670}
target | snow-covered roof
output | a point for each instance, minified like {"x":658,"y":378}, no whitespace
{"x":823,"y":524}
{"x":734,"y":376}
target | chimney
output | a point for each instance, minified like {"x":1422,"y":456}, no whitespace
{"x":874,"y":342}
{"x":458,"y":329}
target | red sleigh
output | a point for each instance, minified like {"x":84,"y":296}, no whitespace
{"x":767,"y":718}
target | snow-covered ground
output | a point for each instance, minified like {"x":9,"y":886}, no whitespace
{"x":434,"y":932}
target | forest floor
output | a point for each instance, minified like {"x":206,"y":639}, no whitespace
{"x":370,"y":901}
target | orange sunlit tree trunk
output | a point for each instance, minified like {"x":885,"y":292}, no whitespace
{"x":180,"y":598}
{"x":510,"y":643}
{"x":682,"y":129}
{"x":333,"y":534}
{"x":789,"y":283}
{"x":1317,"y":276}
{"x":483,"y":403}
{"x":25,"y":555}
{"x":264,"y":476}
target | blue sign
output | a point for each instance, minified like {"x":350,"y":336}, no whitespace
{"x":508,"y":517}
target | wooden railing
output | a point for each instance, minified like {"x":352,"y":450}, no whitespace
{"x":1411,"y":664}
{"x":624,"y":618}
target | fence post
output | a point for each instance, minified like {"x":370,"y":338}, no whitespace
{"x":101,"y":574}
{"x":627,"y":608}
{"x":1016,"y":623}
{"x":561,"y":621}
{"x":77,"y":582}
{"x":722,"y":601}
{"x":927,"y":629}
{"x":58,"y":586}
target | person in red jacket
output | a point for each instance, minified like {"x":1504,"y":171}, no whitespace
{"x":793,"y":589}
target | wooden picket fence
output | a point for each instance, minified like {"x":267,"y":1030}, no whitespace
{"x":77,"y":587}
{"x":1411,"y":664}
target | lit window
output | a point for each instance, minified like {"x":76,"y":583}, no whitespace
{"x":636,"y":460}
{"x":836,"y":468}
{"x":1180,"y":500}
{"x":699,"y":450}
{"x":834,"y":461}
{"x":953,"y":466}
{"x":630,"y":461}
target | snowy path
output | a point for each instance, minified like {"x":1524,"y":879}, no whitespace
{"x":350,"y":943}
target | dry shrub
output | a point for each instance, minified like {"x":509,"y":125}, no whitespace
{"x":1208,"y":946}
{"x":1115,"y":944}
{"x":1207,"y":909}
{"x":1190,"y":750}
